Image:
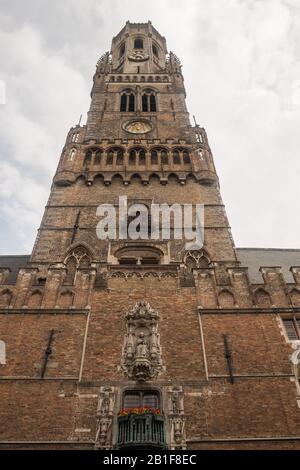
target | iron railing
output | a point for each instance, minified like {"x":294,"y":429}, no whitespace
{"x":145,"y":430}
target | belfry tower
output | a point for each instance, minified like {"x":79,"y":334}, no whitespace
{"x":121,"y":343}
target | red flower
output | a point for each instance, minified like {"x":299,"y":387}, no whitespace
{"x":139,"y":411}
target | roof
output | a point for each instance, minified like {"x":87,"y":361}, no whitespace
{"x":14,"y":263}
{"x":254,"y":258}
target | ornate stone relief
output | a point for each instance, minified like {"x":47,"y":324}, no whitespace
{"x":105,"y":413}
{"x":138,"y":56}
{"x":196,"y":259}
{"x":176,"y":418}
{"x":141,"y":355}
{"x":142,"y":275}
{"x":138,"y":126}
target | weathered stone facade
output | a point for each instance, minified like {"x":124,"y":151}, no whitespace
{"x":84,"y":320}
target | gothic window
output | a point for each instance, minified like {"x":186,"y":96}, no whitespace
{"x":118,"y":153}
{"x":66,"y":299}
{"x":71,"y":266}
{"x":176,"y":157}
{"x":186,"y":157}
{"x":122,"y":50}
{"x":164,"y":157}
{"x":226,"y":299}
{"x":127,"y":103}
{"x":88,"y":157}
{"x":2,"y":353}
{"x":98,"y":156}
{"x":138,"y":43}
{"x":72,"y":154}
{"x":120,"y":157}
{"x":141,"y":399}
{"x":78,"y":258}
{"x":5,"y":298}
{"x":149,"y":101}
{"x":142,"y":157}
{"x":154,"y":157}
{"x":155,"y":50}
{"x":35,"y":299}
{"x":262,"y":298}
{"x":292,"y":328}
{"x":75,"y":137}
{"x":132,"y":157}
{"x":110,"y":157}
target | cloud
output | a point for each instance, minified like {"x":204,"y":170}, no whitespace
{"x":241,"y":62}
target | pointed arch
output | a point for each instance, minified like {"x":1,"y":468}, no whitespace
{"x":226,"y":299}
{"x":35,"y":299}
{"x":66,"y":299}
{"x":6,"y":298}
{"x":127,"y":101}
{"x":78,"y":258}
{"x":197,"y":259}
{"x":262,"y":298}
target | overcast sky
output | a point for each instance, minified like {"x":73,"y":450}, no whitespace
{"x":241,"y":63}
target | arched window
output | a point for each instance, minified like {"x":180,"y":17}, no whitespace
{"x":142,"y":157}
{"x":127,"y":103}
{"x":138,"y":43}
{"x":78,"y":258}
{"x":72,"y":154}
{"x":154,"y":157}
{"x":176,"y":157}
{"x":119,"y":160}
{"x":71,"y":266}
{"x":186,"y":157}
{"x":132,"y":157}
{"x":155,"y":50}
{"x":5,"y":298}
{"x":164,"y":157}
{"x":148,"y":101}
{"x":110,"y":157}
{"x":122,"y":50}
{"x":98,"y":156}
{"x":88,"y":157}
{"x":137,"y":156}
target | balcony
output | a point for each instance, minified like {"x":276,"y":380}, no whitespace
{"x":141,"y":431}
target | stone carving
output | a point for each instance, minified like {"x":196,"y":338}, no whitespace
{"x":197,"y":259}
{"x":176,"y":418}
{"x":104,"y":418}
{"x":138,"y":56}
{"x":138,"y":127}
{"x":141,"y":356}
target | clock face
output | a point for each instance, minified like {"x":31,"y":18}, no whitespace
{"x":138,"y":127}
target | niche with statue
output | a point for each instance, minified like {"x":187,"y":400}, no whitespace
{"x":141,"y":355}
